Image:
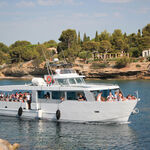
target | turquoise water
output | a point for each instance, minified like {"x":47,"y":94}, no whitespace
{"x":42,"y":135}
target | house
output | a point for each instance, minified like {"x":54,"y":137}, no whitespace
{"x":146,"y":53}
{"x":52,"y":49}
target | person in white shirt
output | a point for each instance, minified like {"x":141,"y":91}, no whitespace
{"x":99,"y":96}
{"x":110,"y":97}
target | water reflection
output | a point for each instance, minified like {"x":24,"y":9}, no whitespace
{"x":55,"y":135}
{"x":34,"y":134}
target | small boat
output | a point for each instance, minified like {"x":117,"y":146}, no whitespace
{"x":66,"y":97}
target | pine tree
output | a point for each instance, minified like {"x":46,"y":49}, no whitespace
{"x":79,"y":39}
{"x":84,"y":38}
{"x":96,"y":37}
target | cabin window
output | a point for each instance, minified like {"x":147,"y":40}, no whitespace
{"x":105,"y":93}
{"x":72,"y":81}
{"x":44,"y":94}
{"x":58,"y":94}
{"x":79,"y":80}
{"x":72,"y":95}
{"x":62,"y":81}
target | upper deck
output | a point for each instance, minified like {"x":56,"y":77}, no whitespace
{"x":84,"y":87}
{"x":64,"y":80}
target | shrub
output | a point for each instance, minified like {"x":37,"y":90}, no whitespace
{"x":138,"y":66}
{"x":122,"y":62}
{"x":148,"y":58}
{"x":99,"y":65}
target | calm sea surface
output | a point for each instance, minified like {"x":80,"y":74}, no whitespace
{"x":42,"y":135}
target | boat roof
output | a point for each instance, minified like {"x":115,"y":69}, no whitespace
{"x":66,"y":73}
{"x":83,"y":87}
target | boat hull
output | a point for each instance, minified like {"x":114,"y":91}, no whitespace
{"x":73,"y":111}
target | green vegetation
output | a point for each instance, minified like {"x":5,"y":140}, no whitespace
{"x":148,"y":58}
{"x":138,"y":66}
{"x":72,"y":46}
{"x":99,"y":65}
{"x":122,"y":62}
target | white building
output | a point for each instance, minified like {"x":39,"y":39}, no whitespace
{"x":146,"y":53}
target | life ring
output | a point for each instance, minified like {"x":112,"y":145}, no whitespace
{"x":58,"y":114}
{"x":48,"y":79}
{"x":20,"y":110}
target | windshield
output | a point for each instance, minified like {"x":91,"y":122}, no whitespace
{"x":79,"y":80}
{"x":72,"y":81}
{"x":62,"y":81}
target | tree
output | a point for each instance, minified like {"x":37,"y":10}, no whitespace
{"x":3,"y":48}
{"x":90,"y":46}
{"x":118,"y":41}
{"x":146,"y":37}
{"x":134,"y":52}
{"x":86,"y":38}
{"x":23,"y":53}
{"x":96,"y":37}
{"x":146,"y":42}
{"x":50,"y":43}
{"x":104,"y":36}
{"x":79,"y":39}
{"x":133,"y":40}
{"x":105,"y":46}
{"x":3,"y":57}
{"x":61,"y":46}
{"x":85,"y":55}
{"x":146,"y":30}
{"x":20,"y":43}
{"x":69,"y":37}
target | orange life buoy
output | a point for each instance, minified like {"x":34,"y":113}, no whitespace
{"x":49,"y":79}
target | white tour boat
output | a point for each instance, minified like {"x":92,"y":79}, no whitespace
{"x":66,"y":97}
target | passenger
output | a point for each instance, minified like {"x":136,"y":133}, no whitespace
{"x":133,"y":97}
{"x":116,"y":96}
{"x":29,"y":100}
{"x":99,"y":96}
{"x":129,"y":97}
{"x":110,"y":97}
{"x":1,"y":95}
{"x":16,"y":96}
{"x":81,"y":98}
{"x":47,"y":96}
{"x":120,"y":97}
{"x":62,"y":98}
{"x":20,"y":98}
{"x":7,"y":98}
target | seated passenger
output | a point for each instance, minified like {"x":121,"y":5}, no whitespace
{"x":120,"y":97}
{"x":116,"y":96}
{"x":47,"y":95}
{"x":1,"y":95}
{"x":129,"y":97}
{"x":81,"y":98}
{"x":110,"y":97}
{"x":62,"y":98}
{"x":99,"y":97}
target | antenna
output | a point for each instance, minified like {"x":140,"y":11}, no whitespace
{"x":63,"y":55}
{"x":47,"y":63}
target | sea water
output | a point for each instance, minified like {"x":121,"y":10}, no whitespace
{"x":43,"y":135}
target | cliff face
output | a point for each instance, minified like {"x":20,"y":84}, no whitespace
{"x":132,"y":71}
{"x":28,"y":70}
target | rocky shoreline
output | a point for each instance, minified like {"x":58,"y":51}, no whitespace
{"x":27,"y":71}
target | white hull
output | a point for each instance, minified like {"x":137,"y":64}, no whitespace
{"x":73,"y":111}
